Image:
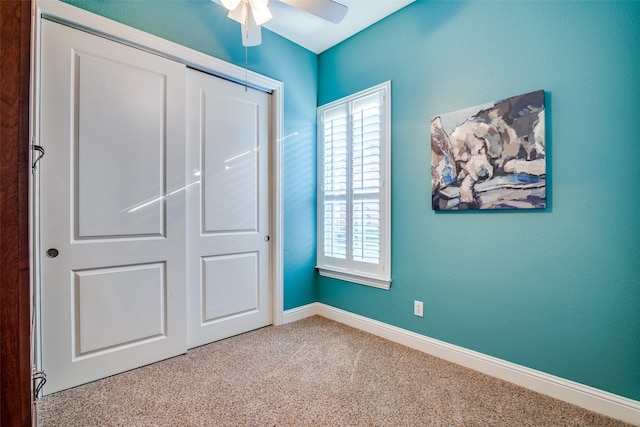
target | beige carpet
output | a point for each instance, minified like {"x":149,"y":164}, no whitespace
{"x":314,"y":372}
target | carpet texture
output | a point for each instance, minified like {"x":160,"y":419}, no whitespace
{"x":314,"y":372}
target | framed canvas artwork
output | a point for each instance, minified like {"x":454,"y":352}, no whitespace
{"x":490,"y":156}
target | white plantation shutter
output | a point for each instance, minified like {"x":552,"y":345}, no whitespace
{"x":335,"y":183}
{"x":354,"y":186}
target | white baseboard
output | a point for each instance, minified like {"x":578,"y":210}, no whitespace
{"x":587,"y":397}
{"x":301,"y":312}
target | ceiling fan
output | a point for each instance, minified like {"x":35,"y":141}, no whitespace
{"x":251,"y":14}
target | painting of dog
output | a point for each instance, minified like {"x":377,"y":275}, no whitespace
{"x":490,"y":156}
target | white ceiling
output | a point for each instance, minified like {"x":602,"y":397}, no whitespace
{"x":318,"y":35}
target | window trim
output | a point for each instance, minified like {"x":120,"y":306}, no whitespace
{"x":348,"y":270}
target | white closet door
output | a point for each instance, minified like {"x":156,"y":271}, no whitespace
{"x":112,"y":207}
{"x":228,"y":284}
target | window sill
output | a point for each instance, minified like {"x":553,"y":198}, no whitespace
{"x":356,"y":278}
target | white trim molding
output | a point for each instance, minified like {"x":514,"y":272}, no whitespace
{"x":593,"y":399}
{"x":277,"y":203}
{"x":302,"y":312}
{"x":76,"y":17}
{"x":360,"y":279}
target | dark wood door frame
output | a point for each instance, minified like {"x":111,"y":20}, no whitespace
{"x":15,"y":295}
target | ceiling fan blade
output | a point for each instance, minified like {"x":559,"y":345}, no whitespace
{"x":326,"y":9}
{"x":239,"y":13}
{"x":260,"y":14}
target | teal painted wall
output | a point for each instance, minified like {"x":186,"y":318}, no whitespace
{"x":203,"y":26}
{"x":555,"y":290}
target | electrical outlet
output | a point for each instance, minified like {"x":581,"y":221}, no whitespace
{"x":418,"y":308}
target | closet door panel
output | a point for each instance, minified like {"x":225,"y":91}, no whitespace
{"x":228,"y":281}
{"x":112,"y":205}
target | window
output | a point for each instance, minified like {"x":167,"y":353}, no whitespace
{"x":354,"y":188}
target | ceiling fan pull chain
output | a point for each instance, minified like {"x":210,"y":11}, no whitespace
{"x":246,"y":67}
{"x":246,"y":52}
